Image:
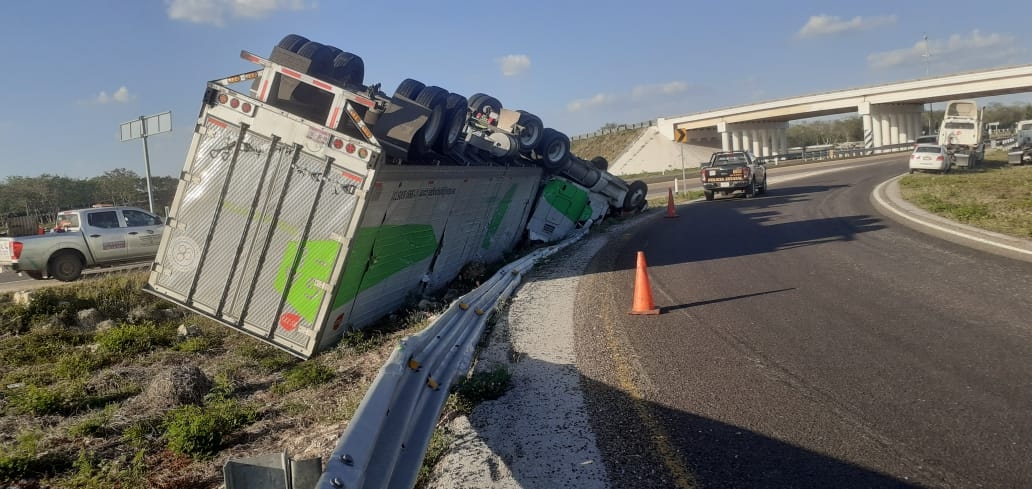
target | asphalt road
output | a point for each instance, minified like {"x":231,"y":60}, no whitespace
{"x":807,"y":341}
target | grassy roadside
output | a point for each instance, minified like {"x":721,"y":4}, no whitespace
{"x":138,"y":394}
{"x":994,"y":196}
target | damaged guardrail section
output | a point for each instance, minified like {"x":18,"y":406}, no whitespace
{"x":387,"y":438}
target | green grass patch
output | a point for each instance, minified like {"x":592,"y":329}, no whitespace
{"x":23,"y":458}
{"x":480,"y":387}
{"x":200,"y":431}
{"x":133,"y":339}
{"x":306,"y":374}
{"x":268,"y":358}
{"x":440,"y":442}
{"x":993,"y":196}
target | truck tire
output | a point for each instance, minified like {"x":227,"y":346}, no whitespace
{"x":635,"y":199}
{"x":456,"y":111}
{"x":600,"y":162}
{"x":532,"y":131}
{"x":292,"y":42}
{"x":66,"y":266}
{"x":433,"y":98}
{"x":482,"y":103}
{"x":321,"y":56}
{"x":554,"y":150}
{"x":348,"y":70}
{"x":409,"y":88}
{"x":708,"y":194}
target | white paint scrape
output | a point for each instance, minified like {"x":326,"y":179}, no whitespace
{"x":537,"y":434}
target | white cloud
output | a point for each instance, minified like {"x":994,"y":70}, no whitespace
{"x":597,"y":101}
{"x":120,"y":96}
{"x":214,"y":11}
{"x":643,"y":91}
{"x":820,"y":25}
{"x":639,"y":94}
{"x":958,"y":49}
{"x":514,"y":64}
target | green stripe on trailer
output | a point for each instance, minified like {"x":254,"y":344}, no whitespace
{"x":499,"y":214}
{"x":379,"y":252}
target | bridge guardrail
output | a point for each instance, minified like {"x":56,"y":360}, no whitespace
{"x":836,"y":153}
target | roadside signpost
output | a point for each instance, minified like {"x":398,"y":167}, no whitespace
{"x":140,"y":129}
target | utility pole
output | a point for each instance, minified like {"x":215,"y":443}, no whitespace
{"x":927,"y":59}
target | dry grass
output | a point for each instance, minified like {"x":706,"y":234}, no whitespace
{"x":609,"y":146}
{"x":80,"y":408}
{"x":994,"y":196}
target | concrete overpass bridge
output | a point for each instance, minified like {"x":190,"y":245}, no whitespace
{"x":891,"y":113}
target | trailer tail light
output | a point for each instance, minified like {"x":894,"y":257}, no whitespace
{"x":235,"y":103}
{"x":16,"y":248}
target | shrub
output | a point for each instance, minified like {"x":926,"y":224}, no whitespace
{"x":134,"y":339}
{"x":304,"y":375}
{"x":38,"y":401}
{"x":199,"y":431}
{"x":23,"y":459}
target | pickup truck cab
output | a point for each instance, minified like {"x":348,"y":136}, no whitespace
{"x":730,"y":171}
{"x":84,"y":238}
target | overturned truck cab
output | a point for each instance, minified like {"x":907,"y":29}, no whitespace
{"x":310,"y":204}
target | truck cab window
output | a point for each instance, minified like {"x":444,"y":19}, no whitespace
{"x":105,"y":219}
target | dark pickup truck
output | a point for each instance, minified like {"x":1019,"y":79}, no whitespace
{"x":731,"y":171}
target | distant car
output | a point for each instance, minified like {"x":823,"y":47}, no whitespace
{"x":930,"y":157}
{"x":930,"y":139}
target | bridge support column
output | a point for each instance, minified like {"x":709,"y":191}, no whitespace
{"x":783,"y":139}
{"x":725,"y":141}
{"x":736,"y":139}
{"x":746,"y":140}
{"x":864,"y":109}
{"x":894,"y":118}
{"x":755,"y":141}
{"x":886,"y":130}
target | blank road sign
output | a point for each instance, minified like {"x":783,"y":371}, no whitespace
{"x":148,"y":126}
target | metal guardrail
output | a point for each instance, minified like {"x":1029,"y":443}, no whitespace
{"x":836,"y":153}
{"x":387,"y":438}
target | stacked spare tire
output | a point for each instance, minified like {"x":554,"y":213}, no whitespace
{"x":428,"y":125}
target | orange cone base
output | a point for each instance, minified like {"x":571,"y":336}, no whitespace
{"x":646,"y":311}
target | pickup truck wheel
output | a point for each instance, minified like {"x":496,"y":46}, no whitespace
{"x":763,"y":188}
{"x":750,"y":191}
{"x":66,"y":267}
{"x":34,"y":274}
{"x":708,"y":194}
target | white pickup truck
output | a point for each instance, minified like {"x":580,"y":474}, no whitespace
{"x":84,"y":238}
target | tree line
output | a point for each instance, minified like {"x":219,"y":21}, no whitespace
{"x":851,"y":128}
{"x":44,"y":196}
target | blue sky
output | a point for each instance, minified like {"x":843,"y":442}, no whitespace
{"x":75,"y":70}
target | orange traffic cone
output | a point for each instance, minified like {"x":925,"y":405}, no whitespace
{"x":670,"y":210}
{"x":642,"y":290}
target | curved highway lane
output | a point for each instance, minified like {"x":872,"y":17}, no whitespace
{"x":807,"y":341}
